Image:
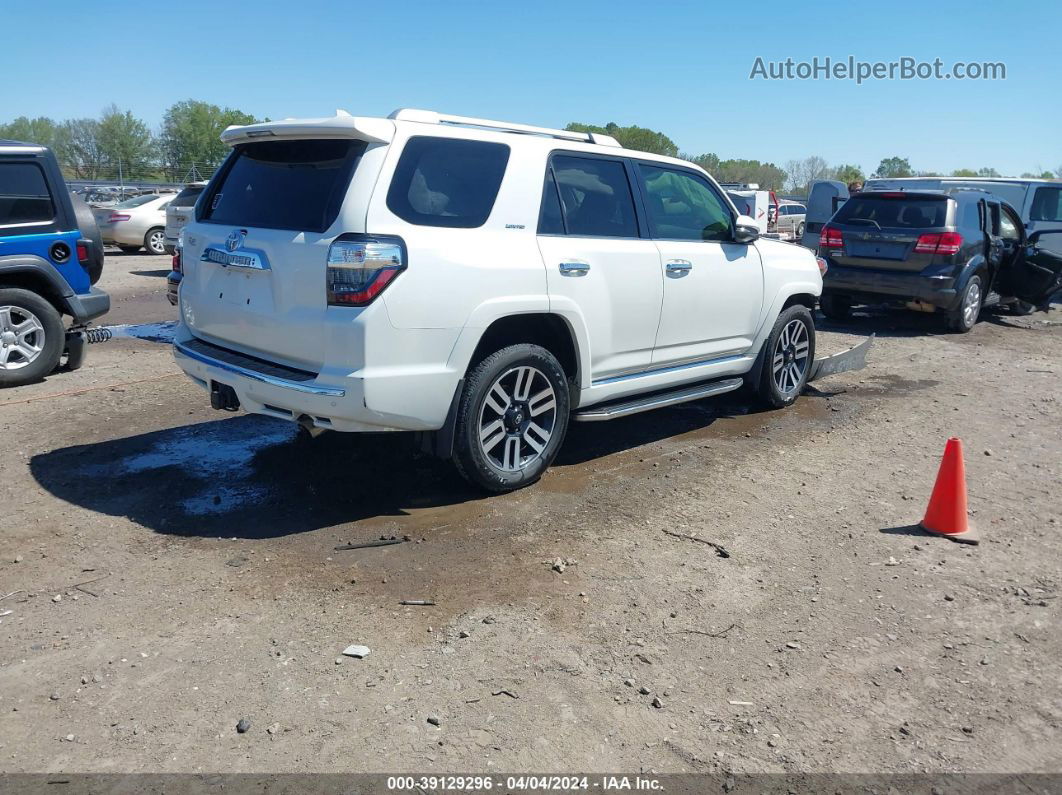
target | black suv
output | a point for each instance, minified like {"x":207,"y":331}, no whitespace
{"x":954,"y":252}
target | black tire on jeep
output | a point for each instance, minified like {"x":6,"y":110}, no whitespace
{"x":789,"y":354}
{"x":964,"y":317}
{"x":511,"y":419}
{"x":836,"y":307}
{"x":32,"y":337}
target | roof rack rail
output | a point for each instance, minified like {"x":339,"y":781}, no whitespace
{"x":431,"y":117}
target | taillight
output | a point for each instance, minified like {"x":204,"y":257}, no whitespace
{"x":117,"y":217}
{"x":830,"y":237}
{"x":945,"y":243}
{"x":361,"y":266}
{"x":823,"y":265}
{"x":177,"y":261}
{"x":82,"y":252}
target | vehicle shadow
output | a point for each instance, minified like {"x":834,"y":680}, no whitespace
{"x":887,"y":321}
{"x":163,"y":272}
{"x":248,"y":477}
{"x":255,"y":477}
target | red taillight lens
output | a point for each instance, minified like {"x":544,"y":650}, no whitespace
{"x":117,"y":217}
{"x":946,"y":243}
{"x":82,"y":252}
{"x":830,"y":237}
{"x":177,"y":261}
{"x":361,"y":266}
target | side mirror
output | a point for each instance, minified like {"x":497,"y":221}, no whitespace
{"x":745,"y":229}
{"x":1034,"y":238}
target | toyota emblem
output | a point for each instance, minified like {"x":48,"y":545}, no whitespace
{"x":235,"y":239}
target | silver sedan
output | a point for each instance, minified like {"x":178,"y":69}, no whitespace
{"x":136,"y":223}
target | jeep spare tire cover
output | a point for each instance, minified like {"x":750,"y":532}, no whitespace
{"x":90,"y":230}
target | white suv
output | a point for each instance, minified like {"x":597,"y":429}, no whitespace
{"x":480,"y":282}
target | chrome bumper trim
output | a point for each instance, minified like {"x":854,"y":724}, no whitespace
{"x":272,"y":380}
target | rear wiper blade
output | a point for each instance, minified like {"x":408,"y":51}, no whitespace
{"x":863,"y":221}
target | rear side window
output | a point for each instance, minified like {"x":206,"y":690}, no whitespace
{"x":296,"y":185}
{"x":24,"y":196}
{"x":595,"y":197}
{"x":187,"y":197}
{"x":447,"y":181}
{"x":1047,"y":205}
{"x":889,"y":213}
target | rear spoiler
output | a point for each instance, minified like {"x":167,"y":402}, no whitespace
{"x":342,"y":125}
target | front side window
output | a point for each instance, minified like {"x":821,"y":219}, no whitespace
{"x":1047,"y":205}
{"x":24,"y":195}
{"x":1008,"y":226}
{"x":683,"y":206}
{"x":447,"y":181}
{"x":595,"y":197}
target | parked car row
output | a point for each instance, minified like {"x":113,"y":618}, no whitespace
{"x":948,"y":246}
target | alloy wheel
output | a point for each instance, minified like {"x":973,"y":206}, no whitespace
{"x":971,"y":305}
{"x":790,"y":360}
{"x":21,"y":337}
{"x":157,"y":242}
{"x":517,"y":419}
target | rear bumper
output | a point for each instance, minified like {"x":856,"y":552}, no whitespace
{"x":356,"y":402}
{"x":869,"y":285}
{"x":88,"y":306}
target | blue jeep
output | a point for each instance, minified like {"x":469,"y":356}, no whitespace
{"x":51,"y":255}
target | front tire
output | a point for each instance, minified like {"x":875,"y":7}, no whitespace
{"x":511,"y":419}
{"x":31,"y":337}
{"x":790,"y":353}
{"x":971,"y":299}
{"x":155,"y":241}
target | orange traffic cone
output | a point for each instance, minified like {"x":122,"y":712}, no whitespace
{"x":946,"y":514}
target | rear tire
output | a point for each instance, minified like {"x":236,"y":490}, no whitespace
{"x":790,"y":354}
{"x":155,"y":241}
{"x":836,"y":307}
{"x":971,"y":300}
{"x":800,"y":231}
{"x":511,"y":419}
{"x":32,"y":337}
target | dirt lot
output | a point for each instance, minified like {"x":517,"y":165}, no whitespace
{"x":834,"y":637}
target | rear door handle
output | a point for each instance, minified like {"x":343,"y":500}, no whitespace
{"x":679,"y":266}
{"x":575,"y":267}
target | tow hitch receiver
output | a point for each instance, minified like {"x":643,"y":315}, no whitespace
{"x":852,"y":359}
{"x":223,"y":397}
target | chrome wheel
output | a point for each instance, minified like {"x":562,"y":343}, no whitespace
{"x":971,"y":305}
{"x":790,"y":360}
{"x":517,"y":418}
{"x":21,"y":337}
{"x":156,"y":242}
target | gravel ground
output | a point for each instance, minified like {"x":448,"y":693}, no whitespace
{"x":171,"y":571}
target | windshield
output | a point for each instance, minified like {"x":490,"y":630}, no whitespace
{"x":187,"y":197}
{"x":893,"y":213}
{"x":296,"y":185}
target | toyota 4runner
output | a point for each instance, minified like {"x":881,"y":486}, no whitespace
{"x":480,"y":282}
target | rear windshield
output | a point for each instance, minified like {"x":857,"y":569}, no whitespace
{"x":187,"y":197}
{"x":284,"y":184}
{"x":898,"y":213}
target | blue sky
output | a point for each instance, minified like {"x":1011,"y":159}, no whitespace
{"x":682,"y":68}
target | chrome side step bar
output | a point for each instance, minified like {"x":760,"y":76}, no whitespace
{"x":684,"y":395}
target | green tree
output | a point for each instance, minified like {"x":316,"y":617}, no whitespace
{"x":894,"y":167}
{"x":964,"y":172}
{"x":709,"y":162}
{"x":126,"y":143}
{"x":641,"y":139}
{"x":190,"y":135}
{"x":848,"y":173}
{"x":42,"y":130}
{"x":987,"y":172}
{"x":80,"y":149}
